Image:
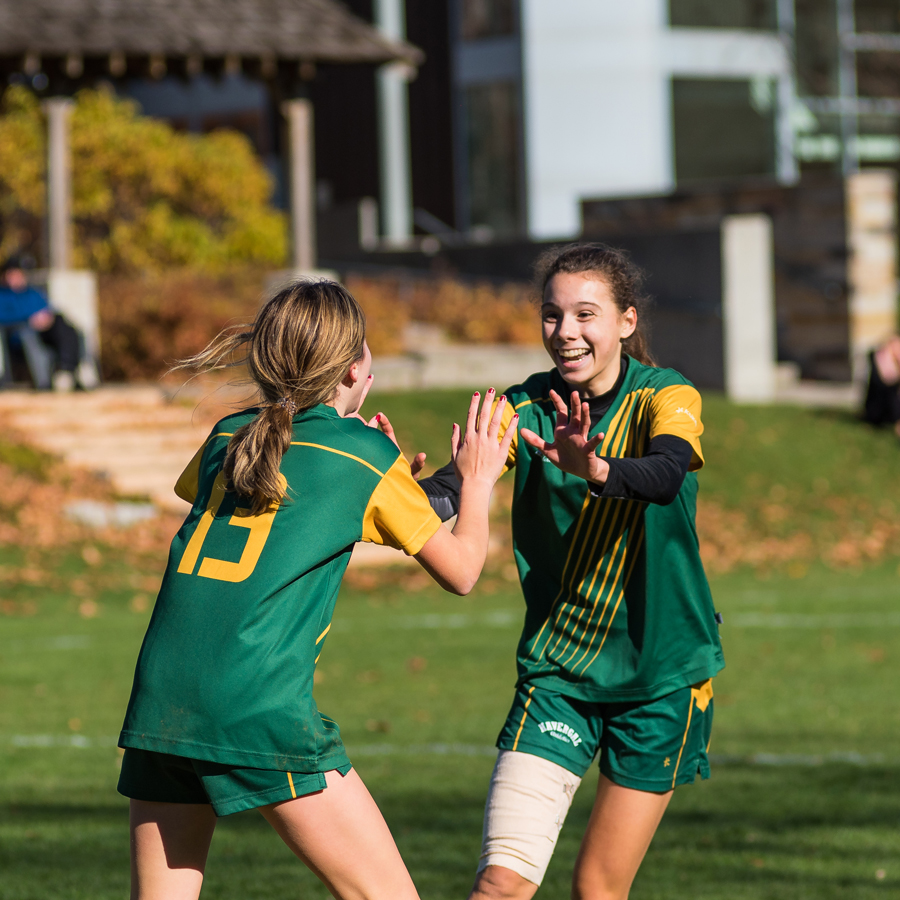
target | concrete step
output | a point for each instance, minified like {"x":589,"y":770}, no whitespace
{"x":146,"y":482}
{"x":116,"y":461}
{"x":79,"y":419}
{"x":130,"y":435}
{"x":823,"y":394}
{"x":116,"y":440}
{"x":125,"y":395}
{"x":85,"y":446}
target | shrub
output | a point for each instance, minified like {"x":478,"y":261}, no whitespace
{"x":148,"y":323}
{"x":478,"y":313}
{"x":468,"y":312}
{"x":387,"y":312}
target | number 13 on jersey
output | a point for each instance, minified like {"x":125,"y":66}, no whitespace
{"x":220,"y":569}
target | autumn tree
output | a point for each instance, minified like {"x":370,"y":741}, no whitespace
{"x":144,"y":196}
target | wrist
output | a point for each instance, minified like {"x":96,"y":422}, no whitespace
{"x":473,"y":483}
{"x":598,"y":471}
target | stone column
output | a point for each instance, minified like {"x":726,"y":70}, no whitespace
{"x":748,"y":308}
{"x":301,"y":178}
{"x":872,"y":266}
{"x":59,"y":181}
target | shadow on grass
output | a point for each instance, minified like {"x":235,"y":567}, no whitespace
{"x":752,"y":833}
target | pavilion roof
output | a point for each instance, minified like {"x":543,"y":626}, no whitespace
{"x":286,"y":30}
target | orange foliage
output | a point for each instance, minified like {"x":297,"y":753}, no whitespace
{"x":149,"y":322}
{"x":479,"y":313}
{"x":470,"y":313}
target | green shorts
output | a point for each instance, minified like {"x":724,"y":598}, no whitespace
{"x":649,"y":746}
{"x":162,"y":778}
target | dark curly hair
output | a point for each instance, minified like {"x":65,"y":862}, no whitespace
{"x":624,"y":278}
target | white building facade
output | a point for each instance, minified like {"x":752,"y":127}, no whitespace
{"x":598,"y":99}
{"x":615,"y":98}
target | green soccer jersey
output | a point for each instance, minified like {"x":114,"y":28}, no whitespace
{"x":226,"y":669}
{"x":618,"y":607}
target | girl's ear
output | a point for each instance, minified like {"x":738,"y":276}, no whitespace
{"x":352,"y":375}
{"x":629,"y":320}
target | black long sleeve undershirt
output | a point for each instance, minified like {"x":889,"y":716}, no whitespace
{"x":655,"y":477}
{"x":442,"y":490}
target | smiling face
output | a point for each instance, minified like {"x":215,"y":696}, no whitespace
{"x":583,"y":330}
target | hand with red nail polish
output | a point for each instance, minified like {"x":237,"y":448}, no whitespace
{"x":479,"y":452}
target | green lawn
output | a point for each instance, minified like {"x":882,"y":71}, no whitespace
{"x":805,"y":796}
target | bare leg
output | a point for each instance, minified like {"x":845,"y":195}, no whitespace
{"x":169,"y":846}
{"x":500,"y":883}
{"x":341,"y":835}
{"x":622,"y":824}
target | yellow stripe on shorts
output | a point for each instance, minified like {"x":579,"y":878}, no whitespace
{"x":291,"y":783}
{"x":701,"y":694}
{"x":524,"y":717}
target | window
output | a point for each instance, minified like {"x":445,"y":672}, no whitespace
{"x":877,"y":15}
{"x":492,"y":131}
{"x":817,"y":49}
{"x":878,"y":74}
{"x":724,"y":13}
{"x":723,"y":129}
{"x":488,"y":18}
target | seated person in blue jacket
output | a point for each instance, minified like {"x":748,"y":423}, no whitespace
{"x":22,"y":305}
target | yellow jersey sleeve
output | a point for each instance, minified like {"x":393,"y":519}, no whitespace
{"x":676,"y":410}
{"x":189,"y":480}
{"x":508,"y":414}
{"x":398,"y":514}
{"x":188,"y":483}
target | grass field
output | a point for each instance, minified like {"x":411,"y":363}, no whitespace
{"x":805,"y":796}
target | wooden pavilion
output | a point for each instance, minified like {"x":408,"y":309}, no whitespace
{"x":60,"y":46}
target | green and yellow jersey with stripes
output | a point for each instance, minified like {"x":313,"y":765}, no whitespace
{"x":226,"y":669}
{"x":618,"y":607}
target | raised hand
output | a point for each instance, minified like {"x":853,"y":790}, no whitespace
{"x":380,"y":420}
{"x":571,"y":449}
{"x":477,"y":452}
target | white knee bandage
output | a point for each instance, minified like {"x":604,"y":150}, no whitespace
{"x":528,"y":800}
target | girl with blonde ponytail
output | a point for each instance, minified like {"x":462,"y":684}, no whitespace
{"x":222,"y":716}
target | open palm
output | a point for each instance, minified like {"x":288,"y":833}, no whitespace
{"x":571,"y":449}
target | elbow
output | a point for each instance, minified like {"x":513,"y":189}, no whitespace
{"x":671,"y":492}
{"x":462,"y":587}
{"x":462,"y":584}
{"x":670,"y":489}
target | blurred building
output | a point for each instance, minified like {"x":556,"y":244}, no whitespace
{"x":558,"y":101}
{"x":524,"y":107}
